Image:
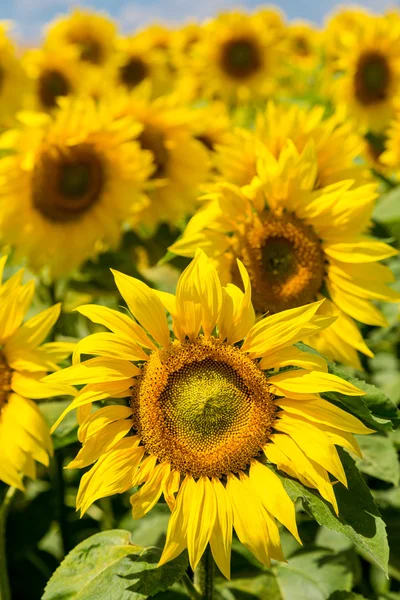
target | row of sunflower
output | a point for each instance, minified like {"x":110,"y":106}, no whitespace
{"x":207,"y":278}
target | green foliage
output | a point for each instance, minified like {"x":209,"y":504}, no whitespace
{"x":108,"y":566}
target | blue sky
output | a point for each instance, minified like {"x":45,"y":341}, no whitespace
{"x":29,"y":16}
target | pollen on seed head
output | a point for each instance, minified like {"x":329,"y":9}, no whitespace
{"x":285,"y":262}
{"x":203,"y":406}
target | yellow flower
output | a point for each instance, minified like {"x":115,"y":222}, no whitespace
{"x":137,"y":60}
{"x":52,"y":75}
{"x":180,"y":162}
{"x":236,"y":161}
{"x":368,"y":66}
{"x":304,"y":42}
{"x":24,"y":360}
{"x":299,"y":244}
{"x":92,"y":34}
{"x":336,"y":142}
{"x":203,"y":411}
{"x":13,"y":79}
{"x":71,"y":181}
{"x":237,"y":58}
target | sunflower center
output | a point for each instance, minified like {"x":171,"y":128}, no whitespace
{"x":133,"y":72}
{"x":285,"y":262}
{"x":91,"y":50}
{"x":52,"y":84}
{"x":203,"y":406}
{"x":153,"y":139}
{"x":240,"y":58}
{"x":5,"y":380}
{"x":372,"y":78}
{"x":66,"y":185}
{"x":301,"y":46}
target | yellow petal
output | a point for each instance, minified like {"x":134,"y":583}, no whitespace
{"x":29,"y":387}
{"x":221,"y":537}
{"x":273,"y":496}
{"x":312,"y":382}
{"x":177,"y":525}
{"x":109,"y":345}
{"x":294,"y":357}
{"x":101,"y":443}
{"x":95,"y":370}
{"x":33,"y":332}
{"x":362,"y":251}
{"x":360,"y":309}
{"x":145,"y":306}
{"x":321,"y":411}
{"x":201,"y":519}
{"x":171,"y":486}
{"x":149,"y":494}
{"x":117,"y":322}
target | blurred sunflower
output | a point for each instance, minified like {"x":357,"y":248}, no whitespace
{"x":180,"y":161}
{"x":137,"y":61}
{"x":203,"y":411}
{"x":299,"y":244}
{"x":92,"y":35}
{"x":369,"y":65}
{"x":390,"y":156}
{"x":13,"y":79}
{"x":24,"y":360}
{"x":53,"y":75}
{"x":336,"y":141}
{"x":304,"y":42}
{"x":236,"y":161}
{"x":238,"y":58}
{"x":70,"y":182}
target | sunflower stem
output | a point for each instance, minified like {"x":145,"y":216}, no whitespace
{"x":191,"y":590}
{"x":5,"y":593}
{"x":204,"y":576}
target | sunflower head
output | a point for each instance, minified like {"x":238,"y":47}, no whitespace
{"x":24,"y":359}
{"x":237,"y":57}
{"x":78,"y":173}
{"x":298,"y":244}
{"x":368,"y":68}
{"x":92,"y":35}
{"x":13,"y":79}
{"x":206,"y":410}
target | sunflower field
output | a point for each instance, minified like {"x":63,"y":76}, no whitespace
{"x":199,"y":309}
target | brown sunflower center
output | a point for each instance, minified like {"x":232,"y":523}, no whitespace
{"x":5,"y":380}
{"x":285,"y":262}
{"x":91,"y":49}
{"x":372,"y":78}
{"x":67,"y":183}
{"x":301,"y":46}
{"x":240,"y":58}
{"x":153,"y":139}
{"x":203,"y":406}
{"x":133,"y":72}
{"x":51,"y":85}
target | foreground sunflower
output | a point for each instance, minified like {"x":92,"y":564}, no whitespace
{"x":70,"y":181}
{"x":206,"y":408}
{"x":24,"y":360}
{"x":299,"y":244}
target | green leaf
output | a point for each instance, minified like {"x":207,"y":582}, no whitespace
{"x":387,"y":210}
{"x":346,"y":596}
{"x":374,"y":408}
{"x":309,"y":575}
{"x":107,"y":566}
{"x":359,"y":517}
{"x":379,"y":457}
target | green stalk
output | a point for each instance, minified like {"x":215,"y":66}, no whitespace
{"x":5,"y":593}
{"x":204,"y":576}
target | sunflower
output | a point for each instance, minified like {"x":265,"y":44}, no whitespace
{"x":304,"y":45}
{"x":136,"y":60}
{"x":236,"y":161}
{"x":369,"y":65}
{"x":238,"y":58}
{"x":24,"y":360}
{"x":92,"y":35}
{"x":338,"y":145}
{"x":299,"y":244}
{"x":205,"y":411}
{"x":69,"y":183}
{"x":53,"y":75}
{"x":12,"y":78}
{"x":180,"y":161}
